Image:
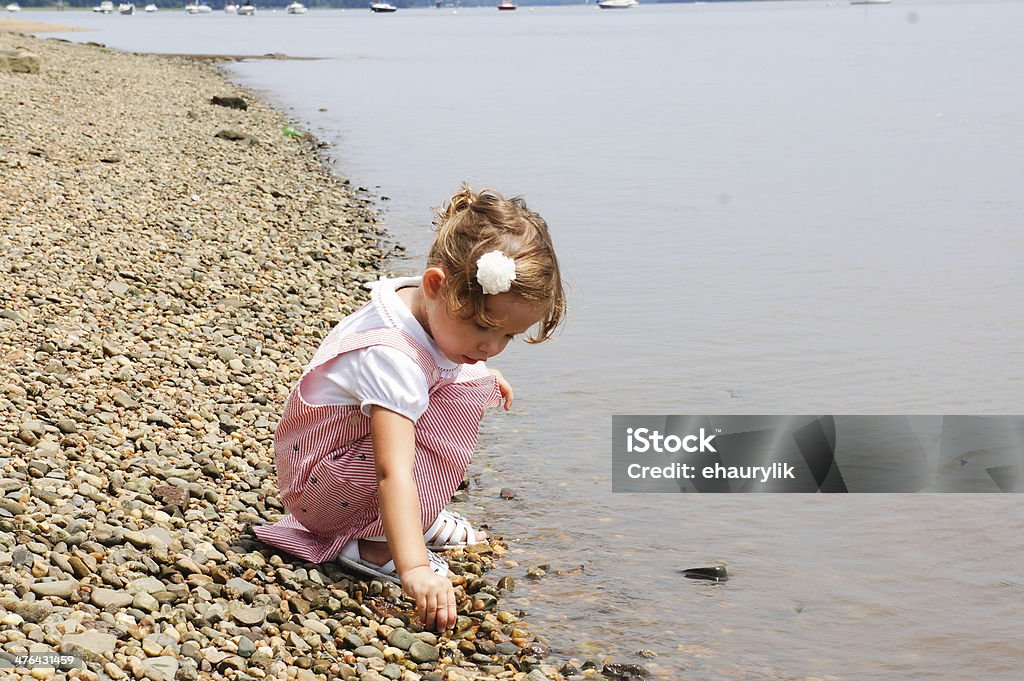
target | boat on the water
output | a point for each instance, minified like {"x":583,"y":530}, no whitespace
{"x":870,"y":2}
{"x":14,"y":7}
{"x":198,"y":8}
{"x":295,"y":8}
{"x":247,"y":10}
{"x":126,"y":8}
{"x":150,"y":8}
{"x":617,"y":4}
{"x":382,"y":7}
{"x":105,"y":7}
{"x":506,"y":5}
{"x":230,"y":8}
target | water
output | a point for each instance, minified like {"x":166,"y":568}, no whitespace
{"x":797,"y":207}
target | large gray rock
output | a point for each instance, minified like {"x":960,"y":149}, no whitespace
{"x":165,"y":665}
{"x":401,"y":638}
{"x":95,"y":641}
{"x":18,"y":61}
{"x":423,"y":652}
{"x":110,"y":598}
{"x":63,"y":588}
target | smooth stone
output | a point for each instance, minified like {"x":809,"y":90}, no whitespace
{"x":243,"y":587}
{"x":96,"y":641}
{"x":253,"y":561}
{"x":63,"y":588}
{"x":151,"y":646}
{"x":146,"y":602}
{"x":22,"y":557}
{"x":246,"y":647}
{"x":714,"y":573}
{"x":368,"y":651}
{"x":392,"y":671}
{"x":249,"y":616}
{"x":12,"y":506}
{"x":164,"y":664}
{"x":191,"y":649}
{"x":148,"y":585}
{"x":423,"y":652}
{"x":317,"y":627}
{"x":12,"y":619}
{"x":353,"y":641}
{"x":110,"y":598}
{"x":628,"y":672}
{"x":402,"y":638}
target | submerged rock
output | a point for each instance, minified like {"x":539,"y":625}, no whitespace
{"x":714,"y":573}
{"x":230,"y":102}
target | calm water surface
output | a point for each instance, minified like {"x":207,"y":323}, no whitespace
{"x":798,"y":207}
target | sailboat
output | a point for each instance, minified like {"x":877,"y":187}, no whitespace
{"x":230,"y":7}
{"x":105,"y":7}
{"x":14,"y":7}
{"x":197,"y":8}
{"x":382,"y":8}
{"x":506,"y":5}
{"x":126,"y":8}
{"x":247,"y":10}
{"x":295,"y":8}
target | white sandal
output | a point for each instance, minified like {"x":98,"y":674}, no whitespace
{"x":351,"y":559}
{"x":438,"y":536}
{"x":448,"y":524}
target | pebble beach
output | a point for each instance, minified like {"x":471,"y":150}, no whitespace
{"x":168,"y":265}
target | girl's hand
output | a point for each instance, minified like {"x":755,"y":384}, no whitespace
{"x":434,"y":595}
{"x":504,"y":386}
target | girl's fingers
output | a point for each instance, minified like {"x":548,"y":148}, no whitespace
{"x":451,"y":610}
{"x":506,"y":392}
{"x":421,"y":609}
{"x":442,"y":611}
{"x":504,"y":386}
{"x":432,"y":608}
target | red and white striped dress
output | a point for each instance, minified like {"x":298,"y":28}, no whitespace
{"x":324,"y":455}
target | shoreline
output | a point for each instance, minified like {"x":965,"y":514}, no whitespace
{"x":169,"y":267}
{"x":9,"y":24}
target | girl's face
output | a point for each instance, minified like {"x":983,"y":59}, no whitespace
{"x":467,"y":341}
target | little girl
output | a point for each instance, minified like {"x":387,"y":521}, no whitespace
{"x":376,"y":436}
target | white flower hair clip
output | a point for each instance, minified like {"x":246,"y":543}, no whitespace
{"x":495,"y":272}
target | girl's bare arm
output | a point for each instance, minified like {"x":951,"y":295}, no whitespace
{"x":394,"y":447}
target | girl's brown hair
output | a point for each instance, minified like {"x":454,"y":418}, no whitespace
{"x":473,"y":223}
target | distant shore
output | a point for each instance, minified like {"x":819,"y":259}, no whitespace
{"x":167,"y":267}
{"x":11,"y":24}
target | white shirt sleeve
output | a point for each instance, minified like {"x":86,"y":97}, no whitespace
{"x":376,"y":375}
